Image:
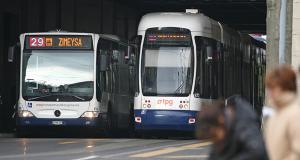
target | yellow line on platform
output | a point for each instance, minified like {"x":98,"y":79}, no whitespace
{"x":170,"y":150}
{"x":68,"y":142}
{"x":196,"y":145}
{"x":157,"y":152}
{"x":87,"y":141}
{"x":187,"y":157}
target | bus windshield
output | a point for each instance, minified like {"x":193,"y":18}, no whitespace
{"x":167,"y":62}
{"x":57,"y":75}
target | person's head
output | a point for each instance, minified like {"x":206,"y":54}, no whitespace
{"x":211,"y":122}
{"x":281,"y":80}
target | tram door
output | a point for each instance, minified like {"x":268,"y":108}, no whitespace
{"x":8,"y":70}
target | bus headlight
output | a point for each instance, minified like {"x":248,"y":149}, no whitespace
{"x":90,"y":114}
{"x":25,"y":114}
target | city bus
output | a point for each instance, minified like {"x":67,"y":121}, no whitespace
{"x":74,"y":80}
{"x":188,"y":60}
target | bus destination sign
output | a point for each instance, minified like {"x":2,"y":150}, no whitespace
{"x":58,"y":42}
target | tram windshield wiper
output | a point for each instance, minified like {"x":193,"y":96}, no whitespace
{"x":179,"y":87}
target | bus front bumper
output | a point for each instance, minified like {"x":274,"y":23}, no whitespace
{"x":32,"y":121}
{"x":165,"y":120}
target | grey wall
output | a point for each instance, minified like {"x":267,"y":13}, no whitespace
{"x":100,"y":16}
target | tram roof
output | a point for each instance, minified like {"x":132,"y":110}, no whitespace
{"x":193,"y":22}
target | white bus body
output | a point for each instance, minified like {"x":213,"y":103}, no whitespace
{"x":51,"y":74}
{"x":66,"y":80}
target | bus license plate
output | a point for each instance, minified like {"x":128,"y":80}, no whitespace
{"x":57,"y":122}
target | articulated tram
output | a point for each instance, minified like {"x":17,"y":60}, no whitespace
{"x":187,"y":60}
{"x":75,"y":79}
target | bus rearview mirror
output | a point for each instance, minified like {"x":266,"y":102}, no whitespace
{"x":11,"y":51}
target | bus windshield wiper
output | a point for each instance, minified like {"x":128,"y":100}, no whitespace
{"x":38,"y":97}
{"x":78,"y":97}
{"x":72,"y":95}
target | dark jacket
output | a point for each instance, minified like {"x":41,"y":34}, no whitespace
{"x":244,"y":139}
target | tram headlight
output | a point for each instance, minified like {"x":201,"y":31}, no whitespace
{"x":25,"y":114}
{"x":192,"y":120}
{"x":138,"y":119}
{"x":90,"y":114}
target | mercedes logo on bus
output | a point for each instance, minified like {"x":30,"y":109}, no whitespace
{"x":57,"y":113}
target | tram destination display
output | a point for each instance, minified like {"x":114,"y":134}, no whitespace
{"x":58,"y":42}
{"x":168,"y":39}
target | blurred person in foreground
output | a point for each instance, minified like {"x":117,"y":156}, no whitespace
{"x":282,"y":130}
{"x":234,"y":130}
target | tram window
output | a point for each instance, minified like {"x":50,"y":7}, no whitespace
{"x":138,"y":40}
{"x":209,"y":72}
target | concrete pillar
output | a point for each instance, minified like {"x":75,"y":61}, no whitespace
{"x":273,"y":28}
{"x":273,"y":21}
{"x":289,"y":29}
{"x":273,"y":11}
{"x":296,"y":34}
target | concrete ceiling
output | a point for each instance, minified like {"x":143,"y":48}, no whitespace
{"x":245,"y":15}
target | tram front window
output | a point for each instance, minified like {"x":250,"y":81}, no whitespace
{"x":167,"y":65}
{"x":57,"y":75}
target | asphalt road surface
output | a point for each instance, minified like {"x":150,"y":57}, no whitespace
{"x":102,"y":149}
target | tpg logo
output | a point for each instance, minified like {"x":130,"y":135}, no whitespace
{"x":165,"y":102}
